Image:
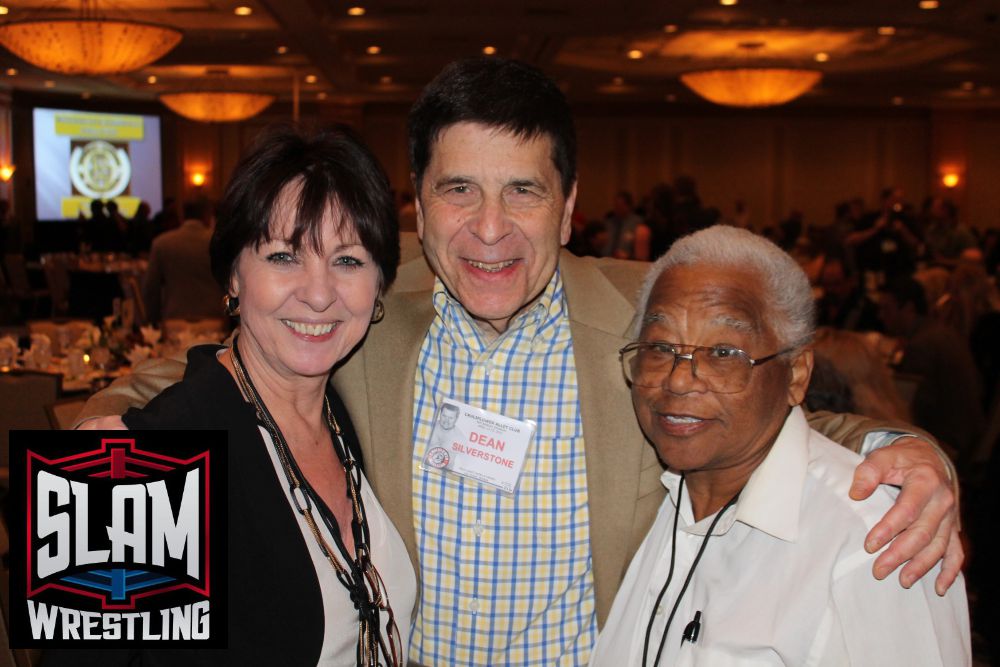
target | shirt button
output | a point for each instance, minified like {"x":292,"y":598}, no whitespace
{"x":474,"y":605}
{"x":478,"y":528}
{"x":488,"y":366}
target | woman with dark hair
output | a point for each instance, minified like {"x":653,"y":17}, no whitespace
{"x":306,"y":243}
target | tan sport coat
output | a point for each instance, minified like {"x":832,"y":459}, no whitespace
{"x":376,"y":384}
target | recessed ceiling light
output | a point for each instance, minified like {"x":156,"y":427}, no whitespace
{"x":281,"y":50}
{"x":151,"y":79}
{"x":356,"y":11}
{"x":929,"y":4}
{"x":728,"y":3}
{"x":968,"y":85}
{"x":489,"y":50}
{"x":822,"y":57}
{"x":50,"y":84}
{"x":634,"y":54}
{"x":373,"y":50}
{"x":320,"y":95}
{"x":243,"y":10}
{"x":385,"y":80}
{"x":618,"y":81}
{"x":311,"y":78}
{"x":886,"y":30}
{"x":671,"y":97}
{"x":897,"y":101}
{"x":4,"y":9}
{"x":11,"y":71}
{"x":670,"y":27}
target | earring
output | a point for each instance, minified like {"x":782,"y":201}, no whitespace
{"x":231,"y":304}
{"x":379,"y":312}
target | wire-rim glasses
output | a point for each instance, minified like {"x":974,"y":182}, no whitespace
{"x":724,"y":369}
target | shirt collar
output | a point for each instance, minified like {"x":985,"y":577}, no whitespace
{"x":538,"y":322}
{"x":772,"y":498}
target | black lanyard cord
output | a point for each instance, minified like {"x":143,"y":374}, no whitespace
{"x":670,"y":574}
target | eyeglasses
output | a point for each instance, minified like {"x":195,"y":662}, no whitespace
{"x":723,"y":369}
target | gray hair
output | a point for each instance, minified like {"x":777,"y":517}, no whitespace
{"x":788,"y":293}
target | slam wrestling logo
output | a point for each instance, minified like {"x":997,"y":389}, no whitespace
{"x":118,"y":538}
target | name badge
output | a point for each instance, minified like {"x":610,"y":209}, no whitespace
{"x":478,"y":444}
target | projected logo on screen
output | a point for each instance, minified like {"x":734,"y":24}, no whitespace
{"x":99,"y":169}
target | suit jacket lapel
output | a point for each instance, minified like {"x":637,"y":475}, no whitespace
{"x":599,"y":319}
{"x":377,"y":388}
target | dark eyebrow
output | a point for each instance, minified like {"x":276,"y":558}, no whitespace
{"x":452,"y":180}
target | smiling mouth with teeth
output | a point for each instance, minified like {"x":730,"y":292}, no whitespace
{"x":491,"y":268}
{"x":678,"y":419}
{"x":309,"y":329}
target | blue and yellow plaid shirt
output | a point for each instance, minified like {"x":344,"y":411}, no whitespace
{"x":504,"y":580}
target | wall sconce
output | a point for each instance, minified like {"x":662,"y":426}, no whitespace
{"x":7,"y":172}
{"x":950,"y":179}
{"x":198,"y":179}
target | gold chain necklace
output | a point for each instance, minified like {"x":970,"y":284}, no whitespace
{"x":363,"y":582}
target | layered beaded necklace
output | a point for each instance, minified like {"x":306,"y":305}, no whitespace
{"x":357,"y":573}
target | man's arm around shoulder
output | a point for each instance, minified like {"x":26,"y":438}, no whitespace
{"x":134,"y":390}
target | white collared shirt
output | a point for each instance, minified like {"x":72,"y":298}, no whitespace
{"x":784,"y":579}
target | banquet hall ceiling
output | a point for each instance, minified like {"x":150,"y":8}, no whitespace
{"x":944,"y":57}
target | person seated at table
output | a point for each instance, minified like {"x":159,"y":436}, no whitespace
{"x":307,"y":242}
{"x":756,"y":555}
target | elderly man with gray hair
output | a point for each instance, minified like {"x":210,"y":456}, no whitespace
{"x":755,"y":556}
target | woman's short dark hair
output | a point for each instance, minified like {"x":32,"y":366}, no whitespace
{"x":502,"y":94}
{"x":331,"y":168}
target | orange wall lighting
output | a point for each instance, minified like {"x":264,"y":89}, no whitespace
{"x":198,"y":179}
{"x":950,"y":179}
{"x":7,"y":172}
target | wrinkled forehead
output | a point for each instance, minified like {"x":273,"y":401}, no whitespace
{"x":718,"y":296}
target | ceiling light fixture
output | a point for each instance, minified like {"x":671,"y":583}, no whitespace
{"x":217,"y":106}
{"x":281,"y":50}
{"x":385,"y":80}
{"x":373,"y":50}
{"x":968,"y":85}
{"x":728,"y":3}
{"x":669,"y":28}
{"x":929,"y":4}
{"x":897,"y":101}
{"x":11,"y":71}
{"x":886,"y":30}
{"x":49,"y":84}
{"x":489,"y":50}
{"x":749,"y":86}
{"x":243,"y":10}
{"x":356,"y":11}
{"x":634,"y":54}
{"x":821,"y":57}
{"x":4,"y":10}
{"x":88,"y":44}
{"x":151,"y":79}
{"x":321,"y":95}
{"x":311,"y":78}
